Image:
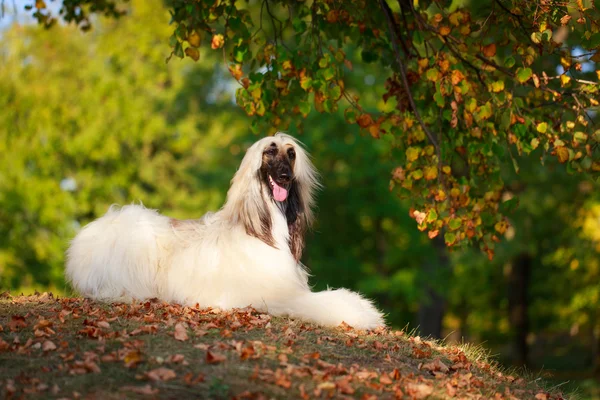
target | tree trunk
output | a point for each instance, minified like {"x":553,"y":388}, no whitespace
{"x":433,"y":304}
{"x":518,"y":305}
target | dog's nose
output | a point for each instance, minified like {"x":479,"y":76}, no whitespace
{"x":285,"y":176}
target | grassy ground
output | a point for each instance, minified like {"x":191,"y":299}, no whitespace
{"x":75,"y":348}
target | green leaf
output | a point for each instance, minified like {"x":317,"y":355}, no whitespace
{"x":450,"y":238}
{"x":432,"y":216}
{"x":595,"y":40}
{"x":524,"y":74}
{"x":304,"y":107}
{"x":432,"y":74}
{"x":509,"y":62}
{"x":439,"y":99}
{"x":455,"y":223}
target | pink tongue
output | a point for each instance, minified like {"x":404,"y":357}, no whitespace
{"x":279,"y":193}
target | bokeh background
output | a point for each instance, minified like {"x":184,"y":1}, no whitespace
{"x":92,"y":119}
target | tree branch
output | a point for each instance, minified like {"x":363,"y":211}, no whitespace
{"x":402,"y":68}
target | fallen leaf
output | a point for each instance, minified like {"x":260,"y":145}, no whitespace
{"x":132,"y":358}
{"x":419,"y":390}
{"x":435,"y":365}
{"x":146,"y":389}
{"x":48,"y":346}
{"x":214,"y":358}
{"x":180,"y":332}
{"x":161,"y":374}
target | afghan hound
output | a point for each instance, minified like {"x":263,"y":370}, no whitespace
{"x":246,"y":254}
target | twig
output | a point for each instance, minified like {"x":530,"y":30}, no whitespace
{"x":518,"y":17}
{"x":405,"y":81}
{"x":582,"y":109}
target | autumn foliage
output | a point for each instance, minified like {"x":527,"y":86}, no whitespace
{"x":466,"y":91}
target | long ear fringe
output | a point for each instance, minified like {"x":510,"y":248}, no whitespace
{"x":246,"y":203}
{"x":307,"y":178}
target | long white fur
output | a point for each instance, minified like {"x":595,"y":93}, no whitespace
{"x":136,"y":253}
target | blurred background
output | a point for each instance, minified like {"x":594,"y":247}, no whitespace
{"x":92,"y":119}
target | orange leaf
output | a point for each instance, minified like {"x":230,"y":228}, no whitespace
{"x":364,"y":120}
{"x":445,"y":31}
{"x":489,"y":50}
{"x":217,"y":41}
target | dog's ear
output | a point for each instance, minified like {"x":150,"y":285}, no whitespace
{"x":295,"y":220}
{"x":255,"y":215}
{"x":262,"y":230}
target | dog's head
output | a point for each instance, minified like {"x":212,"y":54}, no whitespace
{"x":274,"y":169}
{"x":277,"y":169}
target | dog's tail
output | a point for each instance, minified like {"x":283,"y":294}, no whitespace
{"x":116,"y":257}
{"x":332,"y":307}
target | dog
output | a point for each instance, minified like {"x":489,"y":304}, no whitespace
{"x":246,"y":254}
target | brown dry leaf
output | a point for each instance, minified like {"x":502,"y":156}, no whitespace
{"x":161,"y":374}
{"x":386,"y":380}
{"x":17,"y":322}
{"x":103,"y":324}
{"x":176,"y":358}
{"x":450,"y":390}
{"x":181,"y":332}
{"x":435,"y":365}
{"x":541,"y":396}
{"x":214,"y":358}
{"x":48,"y":346}
{"x":282,"y":379}
{"x":146,"y":389}
{"x":247,"y":352}
{"x":419,"y":390}
{"x":190,"y":380}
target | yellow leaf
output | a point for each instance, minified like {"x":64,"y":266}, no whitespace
{"x":497,"y":86}
{"x":431,"y":173}
{"x":445,"y":31}
{"x":542,"y":127}
{"x":564,"y":79}
{"x":412,"y":153}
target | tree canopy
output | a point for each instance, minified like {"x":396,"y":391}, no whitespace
{"x":466,"y":87}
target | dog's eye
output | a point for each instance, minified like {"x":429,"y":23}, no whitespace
{"x":291,"y":154}
{"x":272,"y":151}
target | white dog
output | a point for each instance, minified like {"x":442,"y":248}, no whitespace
{"x":246,"y":254}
